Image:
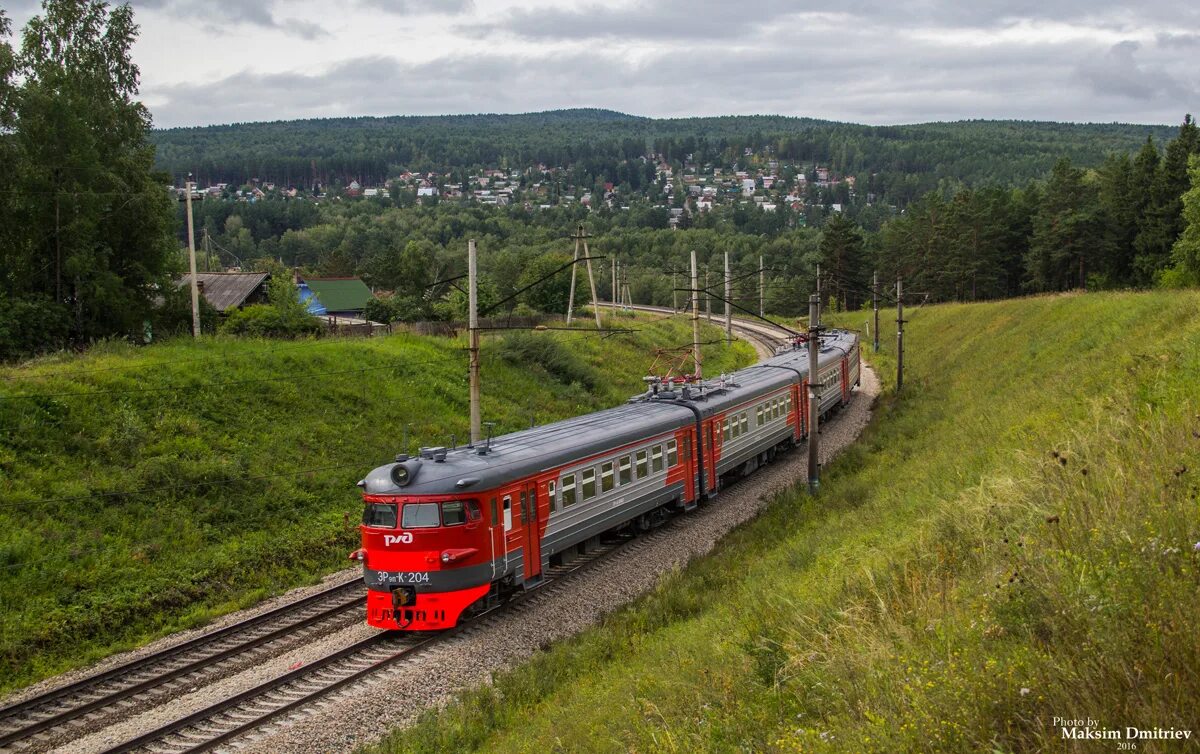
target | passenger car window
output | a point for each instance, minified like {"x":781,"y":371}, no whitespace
{"x":606,"y":476}
{"x":454,"y":513}
{"x":656,"y":458}
{"x":641,"y":464}
{"x":745,"y":424}
{"x":550,"y":494}
{"x":587,"y":483}
{"x":420,"y":516}
{"x":380,"y":515}
{"x":625,"y":466}
{"x":725,"y":430}
{"x":672,"y":453}
{"x":568,"y":490}
{"x":759,"y":415}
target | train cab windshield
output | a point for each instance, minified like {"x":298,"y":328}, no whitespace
{"x":380,"y":515}
{"x":421,"y":515}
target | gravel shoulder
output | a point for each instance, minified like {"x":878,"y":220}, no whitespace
{"x":365,"y":712}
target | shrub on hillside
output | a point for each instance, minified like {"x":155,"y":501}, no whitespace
{"x":531,"y":349}
{"x":265,"y":320}
{"x":31,"y":324}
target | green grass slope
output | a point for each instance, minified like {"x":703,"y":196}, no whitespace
{"x":1012,"y":540}
{"x":242,"y":457}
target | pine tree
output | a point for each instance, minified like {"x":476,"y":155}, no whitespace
{"x":1066,"y":231}
{"x":841,"y":259}
{"x":1163,"y":221}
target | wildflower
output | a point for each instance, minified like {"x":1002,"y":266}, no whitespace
{"x":1024,"y":691}
{"x":1196,"y":547}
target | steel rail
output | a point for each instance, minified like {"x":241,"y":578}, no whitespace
{"x":55,"y":697}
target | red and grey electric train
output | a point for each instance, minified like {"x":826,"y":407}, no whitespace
{"x":451,"y":528}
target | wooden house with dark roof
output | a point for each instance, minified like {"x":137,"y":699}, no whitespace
{"x":226,"y":291}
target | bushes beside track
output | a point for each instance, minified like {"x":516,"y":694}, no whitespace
{"x":241,"y":456}
{"x":1014,"y":539}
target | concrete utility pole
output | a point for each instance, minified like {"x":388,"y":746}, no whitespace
{"x":192,"y":263}
{"x":473,"y":334}
{"x":591,"y":278}
{"x":613,"y":295}
{"x":707,"y":297}
{"x":571,"y":295}
{"x":820,"y":303}
{"x":899,"y":334}
{"x":814,"y":393}
{"x":728,"y":305}
{"x":875,"y":305}
{"x":696,"y":317}
{"x":762,"y":289}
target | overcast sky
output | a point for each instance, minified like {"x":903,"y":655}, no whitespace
{"x":222,"y":61}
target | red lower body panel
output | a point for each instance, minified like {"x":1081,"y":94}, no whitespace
{"x":432,"y":611}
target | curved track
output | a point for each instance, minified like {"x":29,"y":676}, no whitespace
{"x":233,"y":717}
{"x":33,"y":723}
{"x":765,"y":337}
{"x":91,"y":703}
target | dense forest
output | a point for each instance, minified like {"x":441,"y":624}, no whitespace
{"x":900,"y":163}
{"x":1117,"y":225}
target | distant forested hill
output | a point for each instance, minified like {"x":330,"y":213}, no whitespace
{"x":909,"y":159}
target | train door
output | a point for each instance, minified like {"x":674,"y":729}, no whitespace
{"x":533,"y":531}
{"x":713,"y":452}
{"x":689,"y":463}
{"x":845,"y":380}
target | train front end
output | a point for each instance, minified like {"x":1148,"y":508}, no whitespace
{"x":426,"y":557}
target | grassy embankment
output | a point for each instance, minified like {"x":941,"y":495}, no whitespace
{"x":1012,"y":540}
{"x":219,"y":434}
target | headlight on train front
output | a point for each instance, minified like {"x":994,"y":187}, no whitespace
{"x":400,"y":475}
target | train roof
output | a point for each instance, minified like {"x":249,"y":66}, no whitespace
{"x":517,"y":455}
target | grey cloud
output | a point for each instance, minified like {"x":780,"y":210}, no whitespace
{"x":723,"y":20}
{"x":884,"y":79}
{"x":1119,"y":73}
{"x":413,"y":7}
{"x":1177,"y":40}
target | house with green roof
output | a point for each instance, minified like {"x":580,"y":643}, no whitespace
{"x":344,"y":297}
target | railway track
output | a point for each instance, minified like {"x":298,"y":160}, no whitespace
{"x":38,"y":722}
{"x":92,"y":703}
{"x":768,"y":336}
{"x":253,"y":708}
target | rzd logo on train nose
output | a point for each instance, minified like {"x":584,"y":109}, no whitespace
{"x":391,"y":539}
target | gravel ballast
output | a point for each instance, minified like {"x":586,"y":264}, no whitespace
{"x":365,"y":712}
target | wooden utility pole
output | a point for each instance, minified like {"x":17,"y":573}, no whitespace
{"x":875,"y":305}
{"x":207,"y":251}
{"x":473,"y":334}
{"x":192,"y":263}
{"x":762,"y":289}
{"x":674,"y":292}
{"x":728,"y":305}
{"x":696,"y":317}
{"x":814,"y":393}
{"x":899,"y":334}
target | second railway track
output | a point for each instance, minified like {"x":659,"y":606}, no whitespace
{"x":39,"y":722}
{"x":91,"y":704}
